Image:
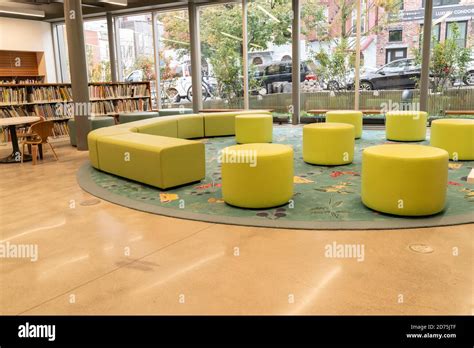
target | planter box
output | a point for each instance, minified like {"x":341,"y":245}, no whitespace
{"x":312,"y":119}
{"x":281,"y":119}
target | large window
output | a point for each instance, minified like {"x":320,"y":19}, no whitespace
{"x":174,"y":57}
{"x":437,"y":3}
{"x":395,"y":35}
{"x":270,"y":55}
{"x":135,"y":48}
{"x":62,"y":55}
{"x":221,"y":50}
{"x":97,"y":50}
{"x":461,"y":36}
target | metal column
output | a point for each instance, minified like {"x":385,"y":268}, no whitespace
{"x":426,"y":55}
{"x":156,"y":49}
{"x":195,"y":56}
{"x":295,"y":78}
{"x":78,"y":69}
{"x":112,"y":52}
{"x":245,"y":56}
{"x":357,"y":62}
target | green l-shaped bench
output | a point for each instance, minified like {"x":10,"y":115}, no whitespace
{"x":158,"y":151}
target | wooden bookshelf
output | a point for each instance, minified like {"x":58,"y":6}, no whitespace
{"x":17,"y":67}
{"x":106,"y":99}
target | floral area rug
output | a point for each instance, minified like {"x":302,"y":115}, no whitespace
{"x":324,"y":197}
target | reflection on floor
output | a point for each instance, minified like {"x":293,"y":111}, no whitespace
{"x":106,"y":259}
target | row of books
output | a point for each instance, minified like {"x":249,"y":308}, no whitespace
{"x":133,"y":105}
{"x":49,"y":111}
{"x":13,"y":111}
{"x":9,"y":95}
{"x":118,"y":91}
{"x":130,"y":105}
{"x":51,"y":93}
{"x":60,"y":129}
{"x":19,"y":81}
{"x":39,"y":94}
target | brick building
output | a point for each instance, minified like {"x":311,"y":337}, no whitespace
{"x":403,"y":31}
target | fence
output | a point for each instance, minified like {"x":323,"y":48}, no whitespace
{"x":452,"y":99}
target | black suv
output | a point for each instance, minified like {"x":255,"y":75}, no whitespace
{"x":281,"y":72}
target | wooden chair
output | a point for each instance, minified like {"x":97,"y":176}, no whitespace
{"x":38,"y":134}
{"x":22,"y":132}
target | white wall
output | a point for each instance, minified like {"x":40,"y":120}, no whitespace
{"x":28,"y":35}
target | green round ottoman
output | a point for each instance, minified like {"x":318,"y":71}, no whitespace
{"x":406,"y":125}
{"x":328,"y":144}
{"x":257,"y":176}
{"x":455,"y":136}
{"x":96,"y":122}
{"x":253,"y":129}
{"x":347,"y":116}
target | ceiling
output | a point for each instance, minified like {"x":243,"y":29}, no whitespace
{"x":54,"y":8}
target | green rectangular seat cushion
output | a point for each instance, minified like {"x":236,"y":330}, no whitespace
{"x":219,"y":124}
{"x":162,"y":126}
{"x":190,"y":126}
{"x":96,"y":134}
{"x":158,"y":161}
{"x":223,"y":124}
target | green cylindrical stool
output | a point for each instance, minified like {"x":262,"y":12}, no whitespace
{"x":328,"y":144}
{"x":455,"y":136}
{"x":347,"y":116}
{"x":96,"y":122}
{"x":406,"y":125}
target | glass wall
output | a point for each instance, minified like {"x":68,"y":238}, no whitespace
{"x":391,"y":42}
{"x":270,"y":55}
{"x":221,"y":50}
{"x":61,"y":51}
{"x":136,"y":59}
{"x":97,"y":50}
{"x":174,"y":58}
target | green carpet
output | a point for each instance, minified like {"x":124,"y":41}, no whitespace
{"x":325,"y":197}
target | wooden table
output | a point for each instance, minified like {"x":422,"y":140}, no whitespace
{"x":11,"y":123}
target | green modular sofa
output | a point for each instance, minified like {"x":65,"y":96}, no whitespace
{"x":157,"y":151}
{"x":144,"y":115}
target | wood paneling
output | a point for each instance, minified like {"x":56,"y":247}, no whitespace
{"x":18,"y":63}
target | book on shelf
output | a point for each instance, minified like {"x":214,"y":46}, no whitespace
{"x":60,"y":129}
{"x":132,"y":105}
{"x":14,"y":111}
{"x":50,"y":94}
{"x":6,"y":80}
{"x":13,"y":95}
{"x":54,"y":101}
{"x":51,"y":112}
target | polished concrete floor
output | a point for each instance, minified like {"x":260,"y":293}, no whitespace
{"x":105,"y":259}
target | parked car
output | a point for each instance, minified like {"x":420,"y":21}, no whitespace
{"x":399,"y":74}
{"x":135,"y":76}
{"x":282,"y":72}
{"x":469,"y":77}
